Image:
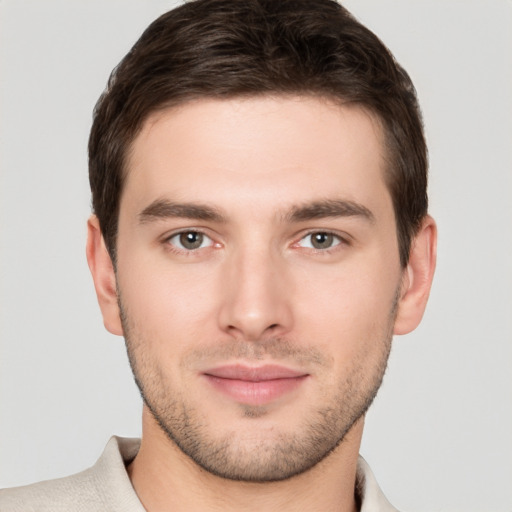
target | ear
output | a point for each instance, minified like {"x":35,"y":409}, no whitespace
{"x":417,"y":278}
{"x":103,"y":275}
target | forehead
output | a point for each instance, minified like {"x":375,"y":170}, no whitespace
{"x":285,"y":148}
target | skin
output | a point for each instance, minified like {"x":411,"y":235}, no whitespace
{"x":263,"y":180}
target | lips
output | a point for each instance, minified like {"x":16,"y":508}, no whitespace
{"x":254,"y":385}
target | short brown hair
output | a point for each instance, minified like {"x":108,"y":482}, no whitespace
{"x":232,"y":48}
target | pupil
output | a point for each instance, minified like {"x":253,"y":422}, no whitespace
{"x":191,"y":240}
{"x":322,"y":240}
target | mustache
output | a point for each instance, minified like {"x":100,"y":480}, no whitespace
{"x":277,"y":349}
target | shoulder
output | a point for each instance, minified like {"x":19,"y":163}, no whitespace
{"x":77,"y":492}
{"x":104,"y":486}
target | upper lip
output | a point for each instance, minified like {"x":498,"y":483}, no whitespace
{"x":254,"y":374}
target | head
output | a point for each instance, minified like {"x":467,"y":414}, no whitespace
{"x":258,"y":173}
{"x":224,"y":49}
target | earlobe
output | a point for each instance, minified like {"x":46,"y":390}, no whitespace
{"x":103,"y":275}
{"x":417,"y":279}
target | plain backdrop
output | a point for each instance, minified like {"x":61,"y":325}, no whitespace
{"x":439,"y":434}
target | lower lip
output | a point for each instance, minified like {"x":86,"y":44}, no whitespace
{"x":255,"y":393}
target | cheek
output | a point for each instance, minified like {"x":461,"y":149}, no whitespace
{"x":165,"y":302}
{"x":349,"y":311}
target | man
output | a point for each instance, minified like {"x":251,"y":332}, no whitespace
{"x":260,"y":232}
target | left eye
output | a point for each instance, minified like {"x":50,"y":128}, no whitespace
{"x":320,"y":240}
{"x":190,"y":240}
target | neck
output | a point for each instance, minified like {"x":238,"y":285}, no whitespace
{"x":166,"y":479}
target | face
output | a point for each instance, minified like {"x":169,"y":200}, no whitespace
{"x":258,"y":276}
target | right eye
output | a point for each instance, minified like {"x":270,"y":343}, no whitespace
{"x":190,"y":240}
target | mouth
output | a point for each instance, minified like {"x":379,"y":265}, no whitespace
{"x":255,"y":385}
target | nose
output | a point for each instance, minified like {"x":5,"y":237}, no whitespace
{"x":256,"y":296}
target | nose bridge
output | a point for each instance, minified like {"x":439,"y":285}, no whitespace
{"x":256,"y":295}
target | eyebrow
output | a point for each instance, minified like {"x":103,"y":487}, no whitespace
{"x":164,"y":209}
{"x":329,"y":208}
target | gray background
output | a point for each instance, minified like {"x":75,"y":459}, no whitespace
{"x":439,"y":435}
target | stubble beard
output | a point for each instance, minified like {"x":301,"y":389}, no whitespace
{"x":270,"y":456}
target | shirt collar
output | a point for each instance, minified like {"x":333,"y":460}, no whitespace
{"x":367,"y":489}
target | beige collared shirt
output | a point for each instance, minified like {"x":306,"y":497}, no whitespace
{"x":107,"y":487}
